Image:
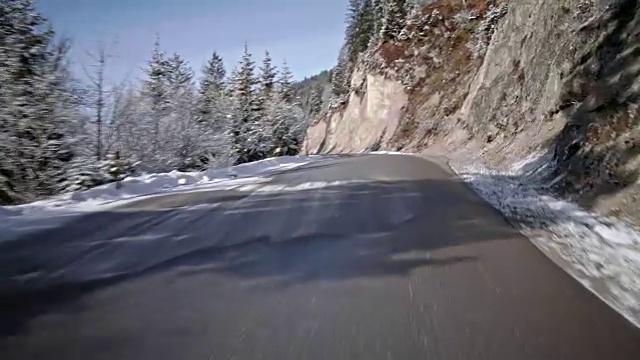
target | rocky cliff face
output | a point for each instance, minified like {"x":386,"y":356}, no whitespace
{"x":506,"y":79}
{"x":369,"y":119}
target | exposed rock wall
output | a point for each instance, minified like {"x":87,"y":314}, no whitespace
{"x":505,"y":81}
{"x":370,"y":117}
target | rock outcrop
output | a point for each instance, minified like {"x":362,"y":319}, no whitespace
{"x":378,"y":109}
{"x":506,"y":79}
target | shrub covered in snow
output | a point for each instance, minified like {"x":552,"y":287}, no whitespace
{"x":89,"y":173}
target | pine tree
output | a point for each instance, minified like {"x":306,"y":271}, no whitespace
{"x":156,"y":92}
{"x":232,"y":81}
{"x":56,"y":111}
{"x":394,"y":18}
{"x":360,"y":27}
{"x":351,"y":30}
{"x":35,"y":104}
{"x":316,"y":100}
{"x":341,"y":75}
{"x":366,"y":25}
{"x":98,"y":92}
{"x":262,"y":126}
{"x":378,"y":20}
{"x":285,"y":83}
{"x":181,"y":140}
{"x":352,"y":12}
{"x":244,"y":82}
{"x":212,"y":89}
{"x":362,"y":18}
{"x":267,"y":77}
{"x":290,"y":126}
{"x":121,"y":114}
{"x":214,"y":74}
{"x":171,"y":100}
{"x":179,"y":74}
{"x":213,"y":111}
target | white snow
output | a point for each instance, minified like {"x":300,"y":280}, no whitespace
{"x":157,"y":183}
{"x":602,"y":253}
{"x":52,"y":212}
{"x":311,"y":185}
{"x":390,"y":153}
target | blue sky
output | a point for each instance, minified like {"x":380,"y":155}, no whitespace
{"x":307,"y":33}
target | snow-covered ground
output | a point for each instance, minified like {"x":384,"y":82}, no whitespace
{"x":602,"y":253}
{"x":56,"y":210}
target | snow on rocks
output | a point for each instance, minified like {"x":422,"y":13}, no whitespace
{"x":602,"y":253}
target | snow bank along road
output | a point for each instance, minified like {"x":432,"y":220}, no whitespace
{"x":356,"y":257}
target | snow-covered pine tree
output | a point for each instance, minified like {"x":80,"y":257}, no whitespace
{"x":88,"y":173}
{"x":179,"y":75}
{"x":378,"y":19}
{"x":268,"y":74}
{"x":366,"y":26}
{"x":352,"y":13}
{"x":316,"y":99}
{"x":212,"y":89}
{"x":361,"y":22}
{"x":17,"y":22}
{"x":285,"y":83}
{"x":214,"y":111}
{"x":288,"y":118}
{"x":351,"y":29}
{"x":393,"y":21}
{"x":169,"y":113}
{"x":121,"y":114}
{"x":156,"y":94}
{"x":362,"y":17}
{"x":97,"y":93}
{"x":191,"y":143}
{"x":290,"y":126}
{"x":182,"y":135}
{"x":117,"y":168}
{"x":35,"y":104}
{"x":262,"y":127}
{"x":232,"y":81}
{"x":340,"y":77}
{"x":58,"y":109}
{"x":130,"y":125}
{"x":243,"y":83}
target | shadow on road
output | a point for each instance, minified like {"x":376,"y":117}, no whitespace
{"x":336,"y":233}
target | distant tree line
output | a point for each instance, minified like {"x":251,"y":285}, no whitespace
{"x":314,"y":92}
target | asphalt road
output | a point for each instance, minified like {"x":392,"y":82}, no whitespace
{"x":394,"y":259}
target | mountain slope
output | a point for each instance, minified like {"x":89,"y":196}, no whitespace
{"x":505,"y":80}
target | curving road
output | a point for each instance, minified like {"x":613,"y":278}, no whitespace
{"x":358,"y":257}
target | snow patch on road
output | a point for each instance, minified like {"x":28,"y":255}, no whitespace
{"x":602,"y":253}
